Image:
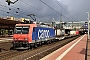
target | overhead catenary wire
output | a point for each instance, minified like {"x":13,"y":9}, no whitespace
{"x":10,"y":12}
{"x":44,"y":13}
{"x":50,"y":7}
{"x":25,"y":13}
{"x":7,"y":7}
{"x":54,"y":9}
{"x":15,"y":8}
{"x":59,"y":4}
{"x":36,"y":9}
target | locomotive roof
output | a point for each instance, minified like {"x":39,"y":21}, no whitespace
{"x":38,"y":25}
{"x":24,"y":24}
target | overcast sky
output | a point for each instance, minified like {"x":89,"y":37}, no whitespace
{"x":71,"y":10}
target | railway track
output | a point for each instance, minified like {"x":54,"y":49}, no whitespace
{"x":6,"y":54}
{"x":5,"y":46}
{"x":35,"y":53}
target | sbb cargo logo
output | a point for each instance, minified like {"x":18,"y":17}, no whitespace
{"x":43,"y":34}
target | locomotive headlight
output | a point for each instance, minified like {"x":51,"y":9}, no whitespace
{"x":15,"y":39}
{"x":26,"y":39}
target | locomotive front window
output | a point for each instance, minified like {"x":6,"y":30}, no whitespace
{"x":18,"y":30}
{"x":21,"y":30}
{"x":25,"y":30}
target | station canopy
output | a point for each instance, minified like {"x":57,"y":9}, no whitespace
{"x":6,"y":23}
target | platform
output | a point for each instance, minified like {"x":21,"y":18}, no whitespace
{"x":75,"y":50}
{"x":6,"y":39}
{"x":88,"y":50}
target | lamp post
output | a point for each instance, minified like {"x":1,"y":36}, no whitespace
{"x":88,"y":24}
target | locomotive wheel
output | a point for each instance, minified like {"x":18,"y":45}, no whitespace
{"x":35,"y":45}
{"x":40,"y":43}
{"x":29,"y":47}
{"x":12,"y":48}
{"x":14,"y":45}
{"x":49,"y":41}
